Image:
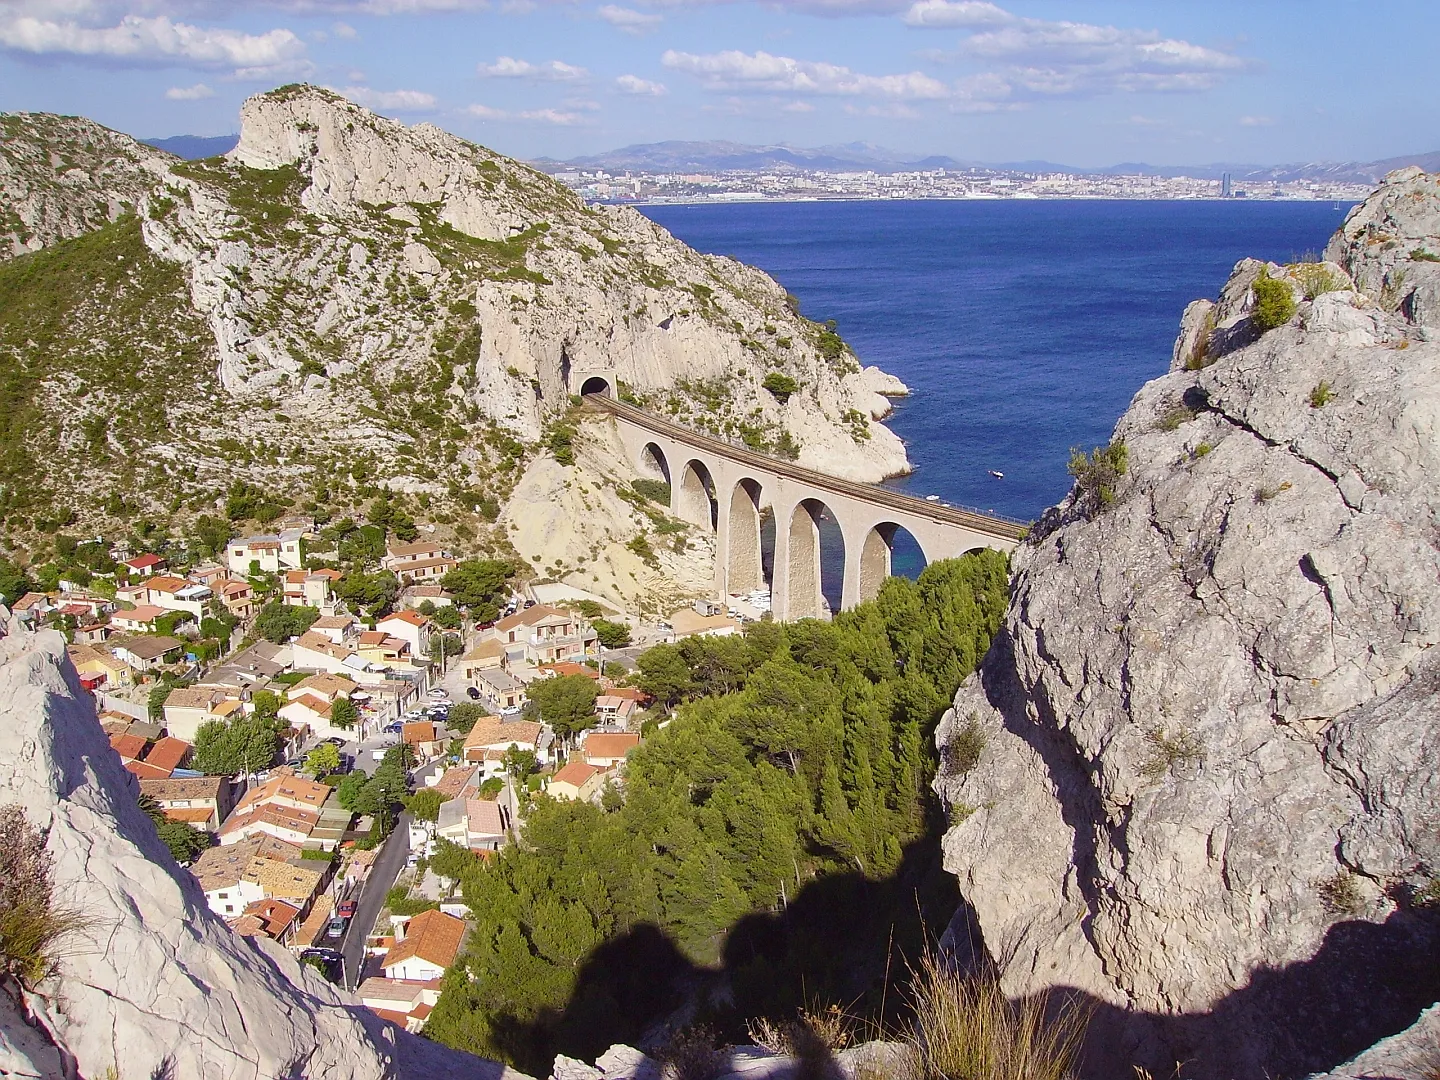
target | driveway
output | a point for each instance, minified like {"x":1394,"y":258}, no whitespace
{"x":388,"y":865}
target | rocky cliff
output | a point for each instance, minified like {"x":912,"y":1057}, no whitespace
{"x":1195,"y":778}
{"x":157,"y":985}
{"x":346,"y":303}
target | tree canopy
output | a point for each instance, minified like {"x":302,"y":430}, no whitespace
{"x":246,"y":744}
{"x":279,"y":622}
{"x":800,"y":754}
{"x":479,"y":586}
{"x":566,"y":702}
{"x":613,"y":635}
{"x":323,"y":760}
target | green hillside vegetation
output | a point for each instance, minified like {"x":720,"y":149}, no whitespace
{"x":51,"y":301}
{"x":800,"y":756}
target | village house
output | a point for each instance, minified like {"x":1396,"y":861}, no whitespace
{"x":145,"y":654}
{"x":476,"y":824}
{"x":225,"y":873}
{"x":415,"y":595}
{"x":238,"y":598}
{"x":92,"y":633}
{"x":272,"y":918}
{"x":425,"y":737}
{"x":187,"y":707}
{"x":605,"y":750}
{"x":311,"y":701}
{"x":500,"y":691}
{"x":687,"y":622}
{"x":486,"y":656}
{"x":250,"y":669}
{"x":177,"y":594}
{"x":286,"y":807}
{"x":201,"y":802}
{"x":379,"y":647}
{"x":458,"y":781}
{"x":271,"y":553}
{"x":98,"y":668}
{"x":576,"y":780}
{"x":31,"y":608}
{"x":409,"y":626}
{"x":128,"y":747}
{"x":543,"y":634}
{"x":137,"y":620}
{"x":311,"y":588}
{"x":168,"y":754}
{"x":417,"y":562}
{"x":490,"y":734}
{"x":337,"y":629}
{"x":146,"y":565}
{"x":407,"y":1004}
{"x":425,"y":946}
{"x":613,"y":710}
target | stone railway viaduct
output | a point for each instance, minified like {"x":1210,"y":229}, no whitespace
{"x":723,"y":488}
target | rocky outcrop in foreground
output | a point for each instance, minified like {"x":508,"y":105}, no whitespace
{"x":158,"y":985}
{"x":1206,"y":792}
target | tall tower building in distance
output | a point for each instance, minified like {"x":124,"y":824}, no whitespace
{"x":1225,"y":185}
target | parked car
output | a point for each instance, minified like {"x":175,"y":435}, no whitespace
{"x":437,"y":692}
{"x":346,"y":910}
{"x":334,"y":740}
{"x":393,"y":728}
{"x":296,"y":762}
{"x":473,"y":693}
{"x":347,"y":763}
{"x":335,"y":929}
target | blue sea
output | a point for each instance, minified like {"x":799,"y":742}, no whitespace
{"x":1022,"y":328}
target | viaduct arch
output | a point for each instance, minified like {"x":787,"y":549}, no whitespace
{"x":724,"y":488}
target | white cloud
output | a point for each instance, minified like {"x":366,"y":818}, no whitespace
{"x":156,"y":41}
{"x":798,"y":107}
{"x":629,"y":20}
{"x":892,"y":111}
{"x":344,"y":30}
{"x":507,"y":67}
{"x":1040,"y":58}
{"x":1257,"y":121}
{"x":391,"y":100}
{"x":198,"y":92}
{"x":947,"y":13}
{"x":735,"y":70}
{"x":633,"y":84}
{"x":555,"y":117}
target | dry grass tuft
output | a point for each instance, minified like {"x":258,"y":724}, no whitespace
{"x":691,"y":1055}
{"x":32,"y":923}
{"x":966,"y":1029}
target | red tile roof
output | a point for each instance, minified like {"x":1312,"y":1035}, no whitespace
{"x":432,"y":936}
{"x":167,"y":754}
{"x":575,"y":774}
{"x":128,"y":747}
{"x":145,"y":771}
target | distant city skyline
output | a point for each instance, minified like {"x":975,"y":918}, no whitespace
{"x":1086,"y":82}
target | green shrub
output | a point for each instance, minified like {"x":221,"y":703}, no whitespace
{"x":1163,"y":752}
{"x":963,"y":751}
{"x":1173,"y":417}
{"x":1317,"y":279}
{"x":1274,"y":303}
{"x":656,"y":491}
{"x":780,"y":385}
{"x":1340,"y":895}
{"x":1322,"y":395}
{"x":1421,"y":255}
{"x":562,"y":444}
{"x":1201,"y":451}
{"x":1098,"y":474}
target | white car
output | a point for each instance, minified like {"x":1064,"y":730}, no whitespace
{"x":437,"y":693}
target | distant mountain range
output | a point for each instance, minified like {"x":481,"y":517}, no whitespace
{"x":194,"y":147}
{"x":720,"y":156}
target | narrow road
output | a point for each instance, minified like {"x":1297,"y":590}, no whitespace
{"x":372,"y":898}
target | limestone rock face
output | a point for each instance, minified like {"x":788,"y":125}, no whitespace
{"x":157,"y":981}
{"x":1208,"y":782}
{"x":61,"y":176}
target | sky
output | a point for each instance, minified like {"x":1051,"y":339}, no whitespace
{"x":1080,"y":82}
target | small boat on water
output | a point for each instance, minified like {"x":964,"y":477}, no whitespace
{"x":932,"y":498}
{"x":997,"y":474}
